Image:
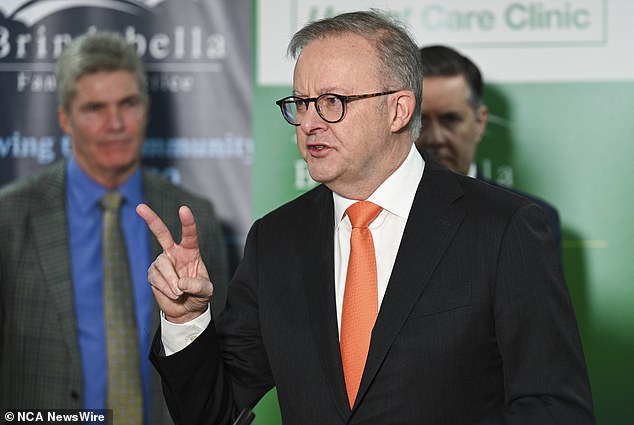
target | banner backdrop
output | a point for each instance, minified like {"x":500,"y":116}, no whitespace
{"x":560,"y":88}
{"x":198,"y":58}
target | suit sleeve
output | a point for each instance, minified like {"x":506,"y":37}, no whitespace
{"x":226,"y":368}
{"x":545,"y":376}
{"x":553,"y":221}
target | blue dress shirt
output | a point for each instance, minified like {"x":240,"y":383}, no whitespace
{"x":85,"y":234}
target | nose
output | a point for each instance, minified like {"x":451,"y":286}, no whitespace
{"x":311,"y":120}
{"x":115,"y":118}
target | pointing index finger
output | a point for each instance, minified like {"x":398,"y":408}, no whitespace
{"x":156,"y":226}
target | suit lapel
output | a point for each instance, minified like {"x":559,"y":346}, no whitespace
{"x":430,"y":227}
{"x":50,"y":234}
{"x":319,"y":279}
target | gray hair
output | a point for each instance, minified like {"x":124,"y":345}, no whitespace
{"x":401,"y":66}
{"x":92,"y":53}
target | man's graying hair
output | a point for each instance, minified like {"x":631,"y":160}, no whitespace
{"x":443,"y":61}
{"x":92,"y":53}
{"x":401,"y":66}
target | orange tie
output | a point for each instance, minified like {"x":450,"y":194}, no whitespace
{"x":360,"y":298}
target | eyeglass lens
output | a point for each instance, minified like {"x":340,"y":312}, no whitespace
{"x":329,"y":107}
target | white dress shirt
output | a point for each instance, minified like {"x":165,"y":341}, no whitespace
{"x":395,"y":195}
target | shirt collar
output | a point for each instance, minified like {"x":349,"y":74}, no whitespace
{"x":473,"y":170}
{"x":396,"y":193}
{"x":87,"y":192}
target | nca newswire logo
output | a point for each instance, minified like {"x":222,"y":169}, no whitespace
{"x":164,"y":46}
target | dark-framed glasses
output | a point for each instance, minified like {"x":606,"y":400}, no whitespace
{"x":331,"y":107}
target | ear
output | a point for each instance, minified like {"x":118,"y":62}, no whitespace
{"x":482,"y":118}
{"x":64,"y":120}
{"x":404,"y":109}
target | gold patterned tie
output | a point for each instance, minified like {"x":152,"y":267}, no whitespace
{"x":122,"y":343}
{"x":360,"y":299}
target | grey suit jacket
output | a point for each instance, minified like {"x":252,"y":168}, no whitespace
{"x":476,"y":326}
{"x":39,"y":352}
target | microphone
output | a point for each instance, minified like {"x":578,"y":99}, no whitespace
{"x":245,"y":417}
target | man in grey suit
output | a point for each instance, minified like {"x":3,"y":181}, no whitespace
{"x":471,"y":321}
{"x":53,"y":352}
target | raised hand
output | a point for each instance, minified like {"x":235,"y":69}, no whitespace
{"x":178,"y":276}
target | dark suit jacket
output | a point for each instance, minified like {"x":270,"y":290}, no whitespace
{"x":476,"y":326}
{"x":40,"y":362}
{"x":549,"y":210}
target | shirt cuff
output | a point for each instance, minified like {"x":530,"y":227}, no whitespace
{"x":177,"y":336}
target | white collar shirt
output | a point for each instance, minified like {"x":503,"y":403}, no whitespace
{"x":396,"y":196}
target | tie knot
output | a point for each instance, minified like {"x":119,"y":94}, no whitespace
{"x":111,"y":201}
{"x":362,"y":213}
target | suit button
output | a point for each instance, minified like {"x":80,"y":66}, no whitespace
{"x":74,"y":394}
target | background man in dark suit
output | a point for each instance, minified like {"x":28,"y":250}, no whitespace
{"x":455,"y":118}
{"x":474,"y":323}
{"x":53,"y":352}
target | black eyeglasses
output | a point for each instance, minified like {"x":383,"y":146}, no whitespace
{"x":330,"y":107}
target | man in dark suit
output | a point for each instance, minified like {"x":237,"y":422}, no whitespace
{"x":455,"y":118}
{"x":471,"y":318}
{"x":53,"y":352}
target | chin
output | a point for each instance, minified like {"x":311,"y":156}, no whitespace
{"x":319,"y":177}
{"x":121,"y":164}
